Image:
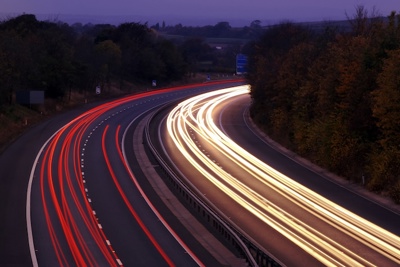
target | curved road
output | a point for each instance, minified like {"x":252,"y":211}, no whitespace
{"x":279,"y":213}
{"x":84,"y":204}
{"x":72,"y":192}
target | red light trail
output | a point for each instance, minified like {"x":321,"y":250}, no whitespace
{"x":75,"y":232}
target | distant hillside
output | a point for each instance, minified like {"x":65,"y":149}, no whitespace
{"x":116,"y":20}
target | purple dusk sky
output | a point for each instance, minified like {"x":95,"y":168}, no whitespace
{"x":202,"y":10}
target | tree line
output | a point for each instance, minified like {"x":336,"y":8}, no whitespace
{"x":334,"y":96}
{"x":59,"y":58}
{"x":222,"y":29}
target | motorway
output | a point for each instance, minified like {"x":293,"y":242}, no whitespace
{"x":75,"y":193}
{"x":270,"y":198}
{"x":85,"y":205}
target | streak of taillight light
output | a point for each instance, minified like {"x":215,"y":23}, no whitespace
{"x":169,"y":228}
{"x":129,"y":206}
{"x":65,"y":179}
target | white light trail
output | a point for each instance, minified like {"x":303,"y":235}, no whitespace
{"x":192,"y":122}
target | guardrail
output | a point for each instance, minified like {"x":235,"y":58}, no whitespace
{"x":247,"y":249}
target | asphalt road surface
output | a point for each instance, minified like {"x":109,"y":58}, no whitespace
{"x":68,"y":196}
{"x":279,"y":212}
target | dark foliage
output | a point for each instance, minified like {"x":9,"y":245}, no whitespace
{"x":333,"y":96}
{"x":58,"y":58}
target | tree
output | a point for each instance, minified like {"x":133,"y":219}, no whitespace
{"x":384,"y":166}
{"x":108,"y":60}
{"x":194,"y":50}
{"x":264,"y":65}
{"x":290,"y":78}
{"x":54,"y":60}
{"x":386,"y":98}
{"x":12,"y":58}
{"x":221,"y":29}
{"x":175,"y":67}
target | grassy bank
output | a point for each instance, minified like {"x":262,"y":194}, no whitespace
{"x":15,"y":119}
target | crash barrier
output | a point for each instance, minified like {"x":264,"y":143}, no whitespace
{"x":250,"y":252}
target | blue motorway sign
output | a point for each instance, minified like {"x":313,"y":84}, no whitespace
{"x":241,"y":64}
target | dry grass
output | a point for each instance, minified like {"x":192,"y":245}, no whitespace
{"x":15,"y":119}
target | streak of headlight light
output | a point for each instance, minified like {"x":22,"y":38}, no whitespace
{"x":243,"y":188}
{"x":225,"y":143}
{"x":253,"y":209}
{"x":366,"y":232}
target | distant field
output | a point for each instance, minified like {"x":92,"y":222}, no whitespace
{"x":207,"y":40}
